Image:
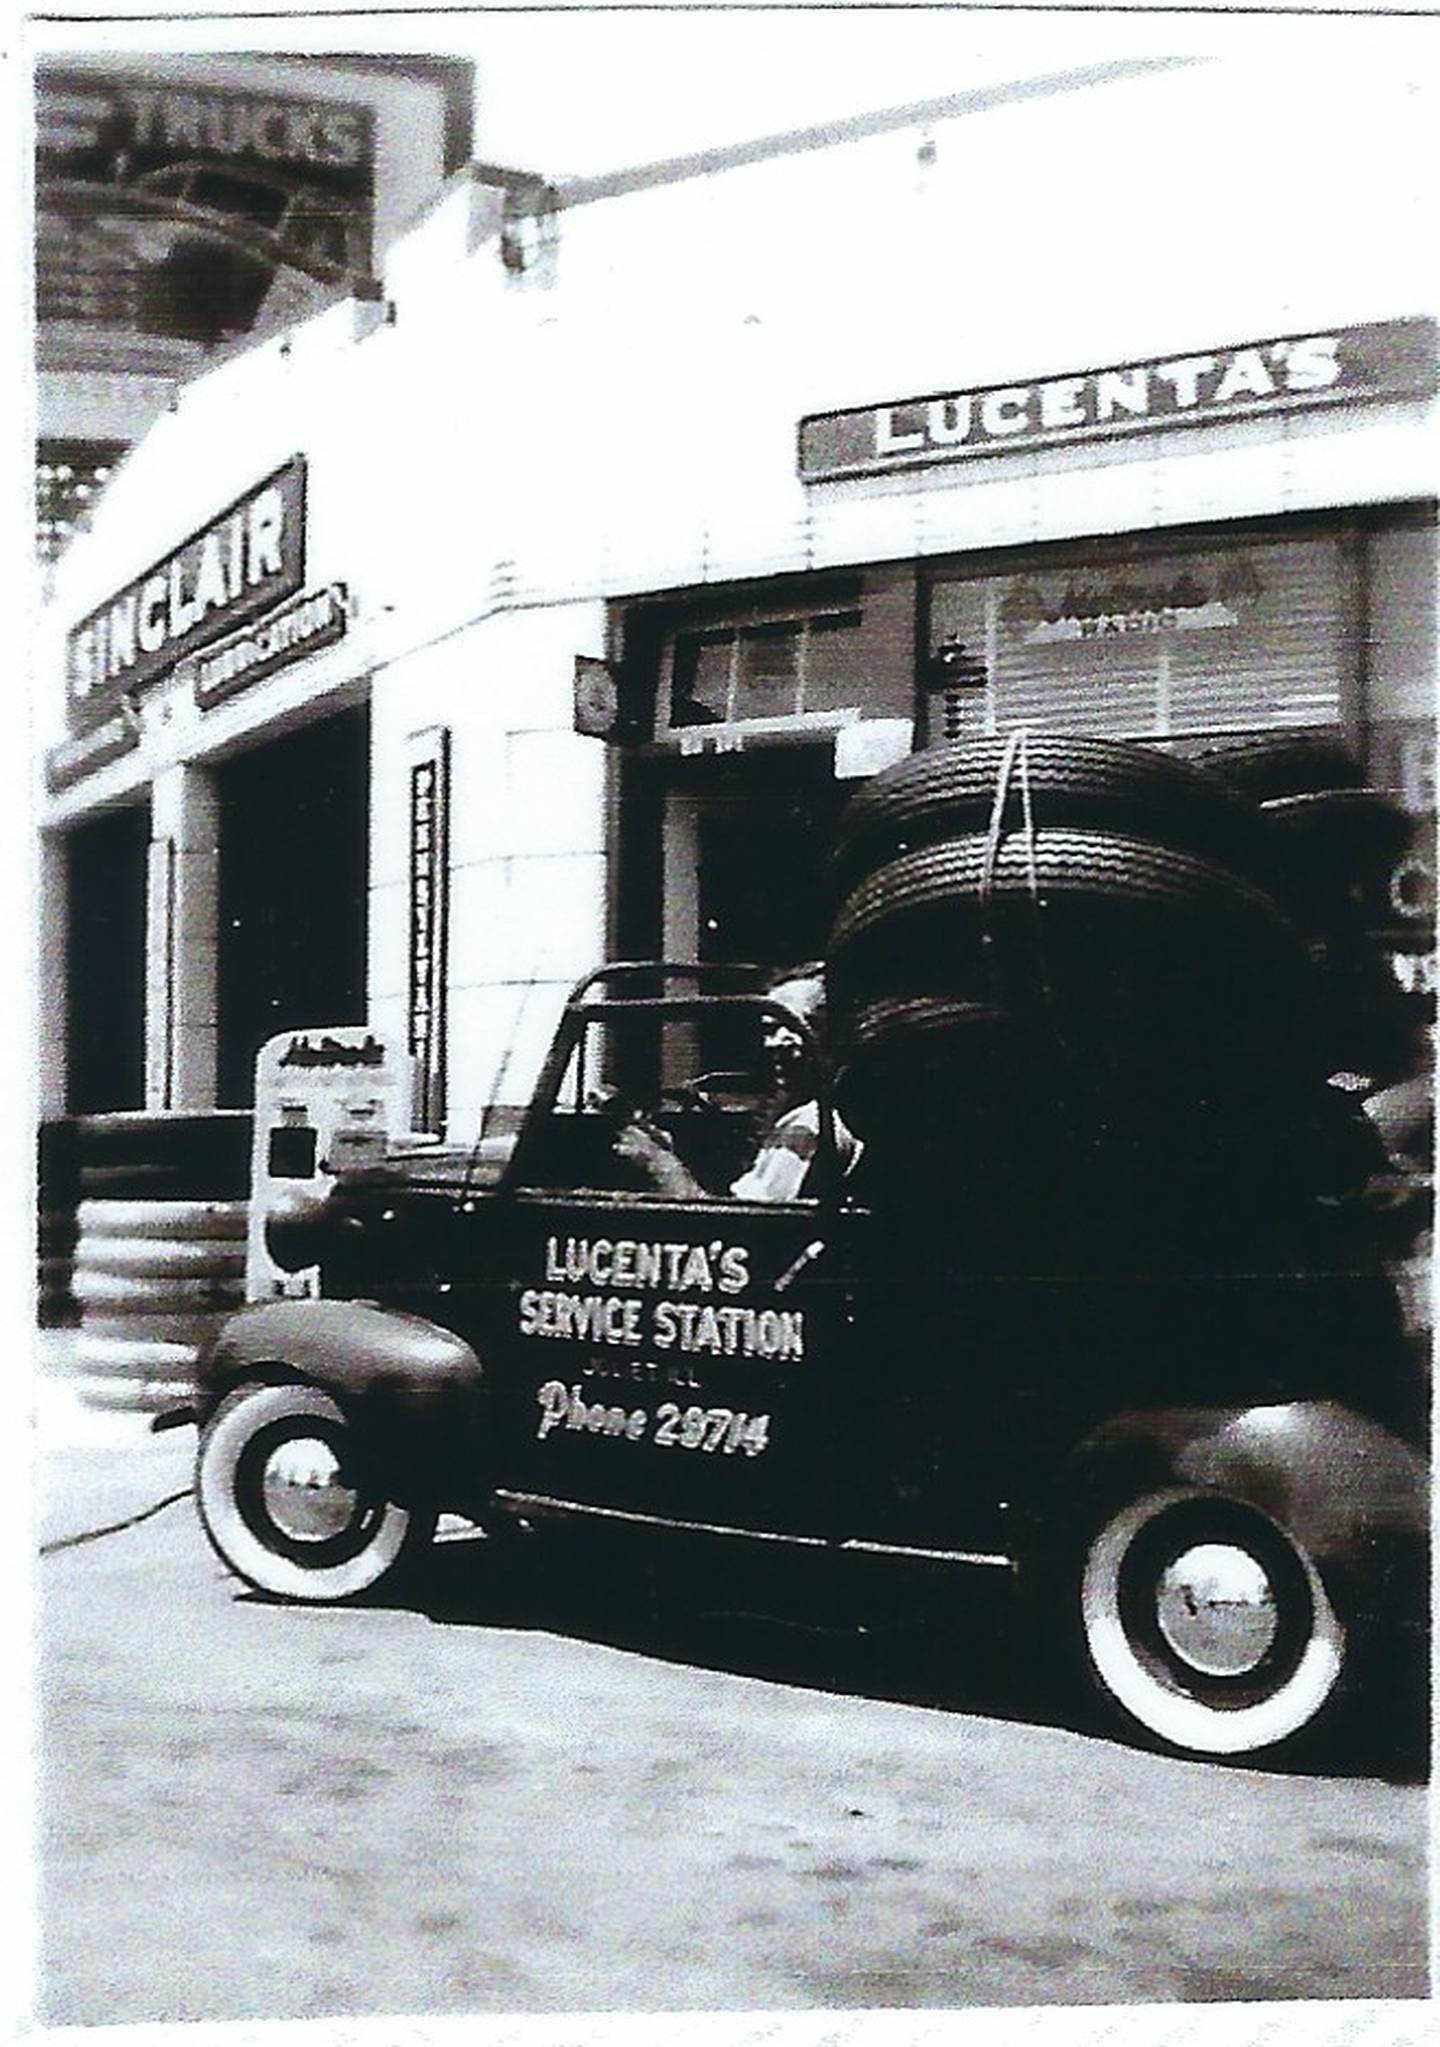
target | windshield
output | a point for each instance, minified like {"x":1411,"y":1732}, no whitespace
{"x":632,"y":1102}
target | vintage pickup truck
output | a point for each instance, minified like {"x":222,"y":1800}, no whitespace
{"x":1215,"y":1489}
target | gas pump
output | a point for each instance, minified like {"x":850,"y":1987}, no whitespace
{"x":324,"y":1100}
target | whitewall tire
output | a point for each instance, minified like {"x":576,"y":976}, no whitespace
{"x":1209,"y":1624}
{"x":291,"y":1506}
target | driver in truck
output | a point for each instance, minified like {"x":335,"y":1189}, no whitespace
{"x":787,"y":1150}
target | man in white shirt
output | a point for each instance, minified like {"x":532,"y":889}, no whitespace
{"x":787,"y":1151}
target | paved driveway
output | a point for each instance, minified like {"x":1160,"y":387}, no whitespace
{"x":606,"y":1794}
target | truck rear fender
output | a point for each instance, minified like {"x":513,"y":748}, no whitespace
{"x":1352,"y":1492}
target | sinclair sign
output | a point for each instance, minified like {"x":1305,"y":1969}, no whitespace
{"x":249,"y":558}
{"x":1342,"y":366}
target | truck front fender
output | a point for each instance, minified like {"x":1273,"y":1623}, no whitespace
{"x":411,"y":1388}
{"x":352,"y":1347}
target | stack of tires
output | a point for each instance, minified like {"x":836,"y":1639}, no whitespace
{"x":1344,"y":862}
{"x":1331,"y":848}
{"x":160,"y":1251}
{"x":1070,"y":1014}
{"x":58,"y":1180}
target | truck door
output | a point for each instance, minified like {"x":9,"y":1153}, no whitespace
{"x":660,"y":1354}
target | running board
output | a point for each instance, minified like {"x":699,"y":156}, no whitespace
{"x":542,"y":1503}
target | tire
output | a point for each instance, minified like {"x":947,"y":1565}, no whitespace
{"x":154,"y":1280}
{"x":193,"y":1331}
{"x":1102,"y":865}
{"x":156,"y":1258}
{"x":373,"y":1539}
{"x":183,"y":1220}
{"x":1264,"y":765}
{"x":895,"y":1056}
{"x":1410,"y":892}
{"x":153,"y":1395}
{"x":1333,"y":853}
{"x":1366,"y":818}
{"x":179,"y":1157}
{"x":1093,"y":893}
{"x":1368,"y":1024}
{"x":1097,"y":784}
{"x":1115,"y":957}
{"x":219,"y":1139}
{"x":1156,"y":1643}
{"x":134,"y":1362}
{"x":896,"y":1023}
{"x":161,"y":1180}
{"x":117,"y":1293}
{"x":129,"y":1374}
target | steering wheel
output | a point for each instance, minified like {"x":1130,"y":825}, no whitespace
{"x":690,"y":1097}
{"x":707,"y":1093}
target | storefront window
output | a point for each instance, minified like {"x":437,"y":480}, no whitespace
{"x":703,"y":662}
{"x":769,"y":679}
{"x":1401,"y":583}
{"x":778,"y":668}
{"x":1149,"y":640}
{"x":830,"y":662}
{"x":837,"y":648}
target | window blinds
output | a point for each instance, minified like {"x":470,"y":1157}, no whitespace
{"x":1157,"y":642}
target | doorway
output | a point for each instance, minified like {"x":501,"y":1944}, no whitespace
{"x":105,"y":962}
{"x":746,"y":856}
{"x":745,"y":867}
{"x":294,"y":887}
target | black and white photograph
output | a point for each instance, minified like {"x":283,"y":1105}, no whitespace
{"x":725,"y":930}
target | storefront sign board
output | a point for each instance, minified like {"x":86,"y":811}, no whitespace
{"x":180,"y":214}
{"x":73,"y":759}
{"x":243,"y":562}
{"x":303,"y":627}
{"x":1344,"y":366}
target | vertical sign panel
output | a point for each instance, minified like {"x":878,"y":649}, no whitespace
{"x":429,"y":842}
